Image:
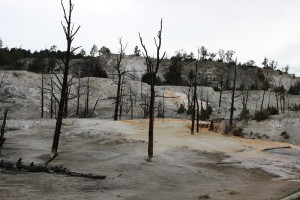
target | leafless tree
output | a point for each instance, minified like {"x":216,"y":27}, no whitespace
{"x":87,"y":99}
{"x":152,"y":69}
{"x":42,"y":96}
{"x":234,"y":64}
{"x":2,"y":131}
{"x":222,"y":88}
{"x":195,"y":106}
{"x":120,"y":74}
{"x":78,"y":89}
{"x":70,"y":33}
{"x":265,"y":87}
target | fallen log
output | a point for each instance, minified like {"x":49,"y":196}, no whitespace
{"x":35,"y":168}
{"x":273,"y":148}
{"x":228,"y":163}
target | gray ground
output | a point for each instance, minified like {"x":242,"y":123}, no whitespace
{"x":184,"y":167}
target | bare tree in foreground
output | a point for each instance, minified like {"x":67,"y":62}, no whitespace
{"x":70,"y":34}
{"x":152,"y":69}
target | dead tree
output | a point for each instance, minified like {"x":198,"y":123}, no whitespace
{"x":87,"y":99}
{"x":78,"y":95}
{"x":2,"y":138}
{"x":234,"y":64}
{"x":131,"y":101}
{"x":152,"y":69}
{"x":161,"y":105}
{"x":120,"y":74}
{"x":195,"y":106}
{"x":20,"y":166}
{"x":189,"y":97}
{"x":244,"y":99}
{"x":42,"y":96}
{"x":265,"y":87}
{"x":51,"y":98}
{"x":122,"y":96}
{"x":222,"y":88}
{"x":145,"y":105}
{"x":70,"y":33}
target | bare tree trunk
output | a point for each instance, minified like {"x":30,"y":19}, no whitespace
{"x":247,"y":96}
{"x":151,"y":122}
{"x":51,"y":99}
{"x":152,"y":69}
{"x":198,"y":115}
{"x":277,"y":106}
{"x":120,"y":73}
{"x":195,"y":95}
{"x":78,"y":97}
{"x":163,"y":105}
{"x":42,"y":97}
{"x":117,"y":98}
{"x":121,"y":96}
{"x":262,"y":101}
{"x":87,"y":99}
{"x":65,"y":113}
{"x":221,"y":90}
{"x":131,"y":103}
{"x":232,"y":97}
{"x":194,"y":108}
{"x":64,"y":90}
{"x":269,"y":99}
{"x":2,"y":138}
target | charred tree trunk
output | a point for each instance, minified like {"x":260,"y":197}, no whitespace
{"x":68,"y":30}
{"x":198,"y":115}
{"x":42,"y":97}
{"x":131,"y":103}
{"x":221,"y":90}
{"x":269,"y":99}
{"x":2,"y":138}
{"x":151,"y":122}
{"x":51,"y":98}
{"x":277,"y":105}
{"x":87,"y":99}
{"x":233,"y":96}
{"x":120,"y":73}
{"x":117,"y":98}
{"x":65,"y":115}
{"x":262,"y":100}
{"x":78,"y":97}
{"x":195,"y":95}
{"x":32,"y":167}
{"x":122,"y":96}
{"x":247,"y":96}
{"x":152,"y":69}
{"x":194,"y":108}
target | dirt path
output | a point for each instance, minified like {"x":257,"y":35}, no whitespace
{"x":184,"y":166}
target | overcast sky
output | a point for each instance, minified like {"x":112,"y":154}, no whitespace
{"x":254,"y":29}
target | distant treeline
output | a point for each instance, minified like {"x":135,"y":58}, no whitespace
{"x":9,"y":57}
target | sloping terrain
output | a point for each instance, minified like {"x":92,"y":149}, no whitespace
{"x":184,"y":166}
{"x":21,"y":93}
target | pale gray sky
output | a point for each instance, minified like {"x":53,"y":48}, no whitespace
{"x":254,"y":29}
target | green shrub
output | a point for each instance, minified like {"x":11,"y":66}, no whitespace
{"x":181,"y":109}
{"x":216,"y":89}
{"x":296,"y":107}
{"x":245,"y":114}
{"x":205,"y":113}
{"x":261,"y":115}
{"x":272,"y":110}
{"x":238,"y":131}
